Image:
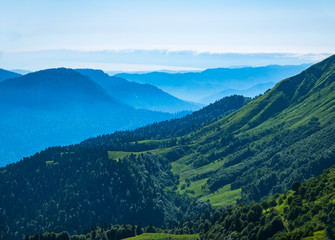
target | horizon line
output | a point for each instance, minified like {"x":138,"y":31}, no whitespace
{"x":167,"y":50}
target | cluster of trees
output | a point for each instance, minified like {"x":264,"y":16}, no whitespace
{"x":77,"y":187}
{"x":104,"y":232}
{"x":307,"y":209}
{"x":70,"y":188}
{"x":238,"y":222}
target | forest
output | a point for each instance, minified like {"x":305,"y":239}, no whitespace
{"x":307,"y":210}
{"x":221,"y":172}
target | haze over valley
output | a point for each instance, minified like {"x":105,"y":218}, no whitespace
{"x":154,"y":120}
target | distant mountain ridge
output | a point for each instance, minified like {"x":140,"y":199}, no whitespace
{"x":137,"y":95}
{"x":195,"y":86}
{"x":237,"y":155}
{"x":21,"y":71}
{"x":57,"y":107}
{"x":49,"y":88}
{"x":249,"y":92}
{"x":4,"y":74}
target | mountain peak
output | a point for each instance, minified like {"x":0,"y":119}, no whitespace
{"x":4,"y":74}
{"x":51,"y":86}
{"x":138,"y":95}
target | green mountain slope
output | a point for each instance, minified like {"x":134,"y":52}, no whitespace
{"x":305,"y":212}
{"x":260,"y":149}
{"x":71,"y":188}
{"x":285,"y":135}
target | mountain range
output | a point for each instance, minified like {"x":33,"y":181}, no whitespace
{"x":197,"y":86}
{"x":249,"y":92}
{"x":232,"y":151}
{"x":60,"y":107}
{"x":139,"y":96}
{"x":4,"y":74}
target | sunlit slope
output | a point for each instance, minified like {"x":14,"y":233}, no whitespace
{"x":285,"y":135}
{"x":305,"y":212}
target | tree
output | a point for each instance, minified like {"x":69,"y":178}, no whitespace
{"x":150,"y":229}
{"x":330,"y":229}
{"x":295,"y":186}
{"x":139,"y":229}
{"x":63,"y":236}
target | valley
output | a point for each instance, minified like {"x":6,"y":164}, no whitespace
{"x":177,"y":174}
{"x":167,"y":120}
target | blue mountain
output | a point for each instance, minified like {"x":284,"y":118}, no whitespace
{"x":57,"y":107}
{"x":195,"y":86}
{"x":249,"y":92}
{"x":4,"y":74}
{"x":140,"y":96}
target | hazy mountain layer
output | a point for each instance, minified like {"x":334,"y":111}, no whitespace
{"x":249,"y":92}
{"x":285,"y":135}
{"x":195,"y":86}
{"x":59,"y":107}
{"x":4,"y":74}
{"x":137,"y":95}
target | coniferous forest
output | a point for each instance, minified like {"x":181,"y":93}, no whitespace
{"x":239,"y":168}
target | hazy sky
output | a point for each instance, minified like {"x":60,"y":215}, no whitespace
{"x":249,"y":26}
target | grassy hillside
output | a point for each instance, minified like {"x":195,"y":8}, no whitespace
{"x":305,"y":212}
{"x":285,"y":135}
{"x":262,"y":148}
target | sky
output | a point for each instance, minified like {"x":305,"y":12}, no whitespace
{"x":302,"y":29}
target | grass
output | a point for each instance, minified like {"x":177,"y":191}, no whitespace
{"x":64,"y":153}
{"x":117,"y":155}
{"x":195,"y":189}
{"x":317,"y":235}
{"x":155,"y":141}
{"x":223,"y":197}
{"x":280,"y":207}
{"x":186,"y":171}
{"x":163,"y":236}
